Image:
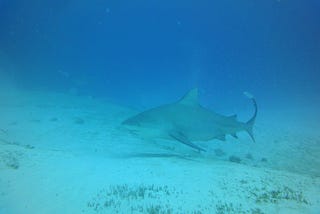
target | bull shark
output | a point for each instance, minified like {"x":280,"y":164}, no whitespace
{"x":186,"y":121}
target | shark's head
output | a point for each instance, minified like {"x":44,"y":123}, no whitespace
{"x":142,"y":125}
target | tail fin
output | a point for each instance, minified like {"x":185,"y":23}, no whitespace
{"x":250,"y":123}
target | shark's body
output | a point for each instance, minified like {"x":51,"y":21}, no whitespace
{"x":187,"y":121}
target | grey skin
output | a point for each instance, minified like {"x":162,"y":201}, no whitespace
{"x":187,"y":121}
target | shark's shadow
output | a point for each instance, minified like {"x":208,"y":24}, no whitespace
{"x":158,"y":155}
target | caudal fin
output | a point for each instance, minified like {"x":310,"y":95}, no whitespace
{"x":250,"y":123}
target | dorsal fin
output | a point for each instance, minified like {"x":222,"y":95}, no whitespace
{"x":190,"y":98}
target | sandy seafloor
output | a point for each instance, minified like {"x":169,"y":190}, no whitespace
{"x":62,"y":153}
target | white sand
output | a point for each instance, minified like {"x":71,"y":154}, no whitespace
{"x":64,"y":154}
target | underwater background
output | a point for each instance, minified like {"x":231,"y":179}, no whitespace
{"x":123,"y":50}
{"x":71,"y":71}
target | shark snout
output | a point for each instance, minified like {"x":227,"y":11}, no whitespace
{"x":125,"y":127}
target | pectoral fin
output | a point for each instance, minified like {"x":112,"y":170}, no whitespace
{"x":234,"y":135}
{"x":221,"y":137}
{"x":233,"y":117}
{"x":183,"y":139}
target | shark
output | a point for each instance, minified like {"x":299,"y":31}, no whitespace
{"x":186,"y":121}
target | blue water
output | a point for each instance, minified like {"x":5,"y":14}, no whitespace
{"x":145,"y":53}
{"x":120,"y":49}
